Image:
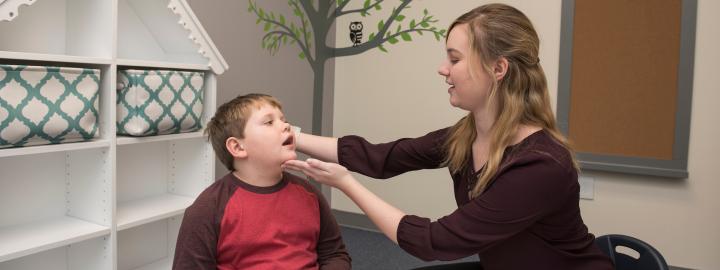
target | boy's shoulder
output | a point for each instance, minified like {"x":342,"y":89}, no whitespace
{"x":209,"y":199}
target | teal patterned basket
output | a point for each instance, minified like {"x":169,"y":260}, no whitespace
{"x":156,"y":102}
{"x":47,"y":105}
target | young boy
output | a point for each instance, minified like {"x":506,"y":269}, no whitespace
{"x":257,"y":216}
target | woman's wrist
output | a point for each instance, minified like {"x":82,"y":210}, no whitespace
{"x":345,"y":183}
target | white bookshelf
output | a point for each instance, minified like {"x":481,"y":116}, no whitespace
{"x":64,"y":147}
{"x":129,"y":63}
{"x":22,"y":240}
{"x":147,"y":247}
{"x":114,"y":202}
{"x":123,"y":140}
{"x":141,"y":211}
{"x":23,"y":56}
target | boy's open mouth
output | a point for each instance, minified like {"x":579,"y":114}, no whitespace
{"x":288,"y":141}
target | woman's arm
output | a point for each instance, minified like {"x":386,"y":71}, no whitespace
{"x":323,"y":148}
{"x":520,"y":196}
{"x":384,"y":215}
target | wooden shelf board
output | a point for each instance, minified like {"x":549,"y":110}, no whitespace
{"x":42,"y":149}
{"x":161,"y":64}
{"x":24,"y":56}
{"x":124,"y":140}
{"x":21,"y":240}
{"x":138,"y":212}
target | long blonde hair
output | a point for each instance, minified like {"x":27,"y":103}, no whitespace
{"x":521,"y":96}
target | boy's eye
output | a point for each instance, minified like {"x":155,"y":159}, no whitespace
{"x":269,"y":122}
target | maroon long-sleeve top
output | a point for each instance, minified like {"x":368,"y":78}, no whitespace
{"x":527,"y":218}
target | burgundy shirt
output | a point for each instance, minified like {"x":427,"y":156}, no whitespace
{"x":234,"y":225}
{"x":527,"y":218}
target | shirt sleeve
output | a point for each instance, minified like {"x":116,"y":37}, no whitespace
{"x":393,"y":158}
{"x":520,"y":196}
{"x":331,"y":251}
{"x":196,"y":247}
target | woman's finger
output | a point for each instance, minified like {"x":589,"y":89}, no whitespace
{"x":302,"y":167}
{"x":295,"y":163}
{"x":317,"y":164}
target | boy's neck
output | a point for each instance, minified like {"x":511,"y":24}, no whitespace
{"x":259,"y":178}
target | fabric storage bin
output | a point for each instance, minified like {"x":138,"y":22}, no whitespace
{"x":156,"y":102}
{"x":47,"y":105}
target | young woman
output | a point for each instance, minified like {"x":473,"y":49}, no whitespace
{"x":514,"y":174}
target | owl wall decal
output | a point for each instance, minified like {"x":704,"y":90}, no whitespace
{"x":356,"y":33}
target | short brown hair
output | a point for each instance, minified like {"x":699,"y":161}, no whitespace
{"x":230,"y":120}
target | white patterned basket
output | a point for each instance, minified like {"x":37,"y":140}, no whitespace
{"x":156,"y":102}
{"x":47,"y":105}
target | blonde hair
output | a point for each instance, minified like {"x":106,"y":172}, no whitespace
{"x":521,"y":96}
{"x":230,"y":120}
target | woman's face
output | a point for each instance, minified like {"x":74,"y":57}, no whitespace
{"x":467,"y":92}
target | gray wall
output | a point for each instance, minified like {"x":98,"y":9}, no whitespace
{"x":252,"y":69}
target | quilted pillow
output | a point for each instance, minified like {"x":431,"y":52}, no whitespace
{"x":47,"y":105}
{"x":155,"y":102}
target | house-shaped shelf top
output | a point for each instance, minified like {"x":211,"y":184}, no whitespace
{"x":126,"y":32}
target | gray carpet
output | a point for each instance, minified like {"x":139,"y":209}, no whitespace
{"x":374,"y":251}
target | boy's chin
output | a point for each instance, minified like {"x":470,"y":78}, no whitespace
{"x":289,"y":156}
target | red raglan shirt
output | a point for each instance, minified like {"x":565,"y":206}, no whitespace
{"x":234,"y":225}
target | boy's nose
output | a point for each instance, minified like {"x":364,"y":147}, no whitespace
{"x":286,"y":127}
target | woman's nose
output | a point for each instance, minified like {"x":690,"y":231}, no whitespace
{"x":443,"y":70}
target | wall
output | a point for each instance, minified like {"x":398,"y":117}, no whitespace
{"x":406,"y":98}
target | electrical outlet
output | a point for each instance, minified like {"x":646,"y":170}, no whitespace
{"x":587,"y":187}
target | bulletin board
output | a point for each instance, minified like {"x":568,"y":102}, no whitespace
{"x":625,"y":83}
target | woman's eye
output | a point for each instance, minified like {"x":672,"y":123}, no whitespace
{"x":454,"y":61}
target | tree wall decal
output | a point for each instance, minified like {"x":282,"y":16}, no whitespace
{"x":313,"y":20}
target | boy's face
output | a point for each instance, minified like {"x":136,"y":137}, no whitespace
{"x":268,"y":137}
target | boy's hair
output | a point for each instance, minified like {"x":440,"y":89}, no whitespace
{"x":230,"y":120}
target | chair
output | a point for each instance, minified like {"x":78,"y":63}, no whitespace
{"x":650,"y":258}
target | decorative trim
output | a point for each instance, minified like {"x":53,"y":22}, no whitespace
{"x":189,"y":21}
{"x":9,"y":8}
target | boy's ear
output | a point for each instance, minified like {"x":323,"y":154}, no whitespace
{"x":500,"y":68}
{"x":235,"y":147}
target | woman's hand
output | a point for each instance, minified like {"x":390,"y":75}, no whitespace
{"x":331,"y":174}
{"x":384,"y":215}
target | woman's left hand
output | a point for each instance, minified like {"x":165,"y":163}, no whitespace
{"x":328,"y":173}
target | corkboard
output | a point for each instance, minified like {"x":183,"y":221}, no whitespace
{"x":624,"y":77}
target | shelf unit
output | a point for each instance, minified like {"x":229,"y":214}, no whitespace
{"x":114,"y":202}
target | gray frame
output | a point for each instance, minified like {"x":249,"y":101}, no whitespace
{"x":675,"y":168}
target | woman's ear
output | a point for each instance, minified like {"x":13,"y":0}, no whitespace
{"x":235,"y":147}
{"x":500,"y":68}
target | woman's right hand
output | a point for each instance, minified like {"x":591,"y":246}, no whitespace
{"x":323,"y":148}
{"x":328,"y":173}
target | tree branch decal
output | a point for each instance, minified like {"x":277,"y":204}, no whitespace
{"x":273,"y":39}
{"x":367,"y":6}
{"x":312,"y":23}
